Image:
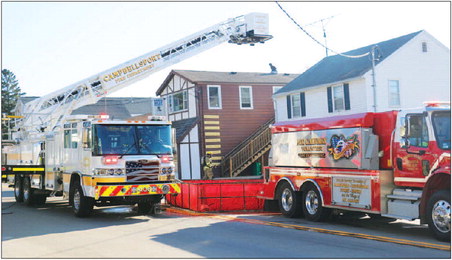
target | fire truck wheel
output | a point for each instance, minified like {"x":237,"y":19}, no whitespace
{"x":28,"y":191}
{"x":18,"y":189}
{"x":289,"y":201}
{"x":438,"y":215}
{"x":81,"y":205}
{"x":312,"y":205}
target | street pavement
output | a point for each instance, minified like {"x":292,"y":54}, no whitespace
{"x":52,"y":231}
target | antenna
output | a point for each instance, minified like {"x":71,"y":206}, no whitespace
{"x":324,"y":22}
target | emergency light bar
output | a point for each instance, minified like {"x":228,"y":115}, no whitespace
{"x":437,"y":104}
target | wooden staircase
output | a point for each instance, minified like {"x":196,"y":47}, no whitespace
{"x":248,"y":151}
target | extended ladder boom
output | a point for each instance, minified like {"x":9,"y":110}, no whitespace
{"x":45,"y":113}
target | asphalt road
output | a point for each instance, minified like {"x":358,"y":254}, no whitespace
{"x":51,"y":231}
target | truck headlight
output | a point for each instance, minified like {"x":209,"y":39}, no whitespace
{"x":108,"y":172}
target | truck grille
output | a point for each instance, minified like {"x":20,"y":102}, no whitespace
{"x":142,"y":170}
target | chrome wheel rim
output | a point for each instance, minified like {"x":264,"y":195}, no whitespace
{"x":287,"y":199}
{"x":441,"y":216}
{"x":312,"y":202}
{"x":76,"y":200}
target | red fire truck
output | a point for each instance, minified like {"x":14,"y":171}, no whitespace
{"x":392,"y":164}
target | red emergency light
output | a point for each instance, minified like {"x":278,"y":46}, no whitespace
{"x":104,"y":116}
{"x":166,"y":158}
{"x":436,"y":103}
{"x":110,"y":159}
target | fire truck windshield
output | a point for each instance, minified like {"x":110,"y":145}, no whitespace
{"x":441,"y":126}
{"x":132,"y":139}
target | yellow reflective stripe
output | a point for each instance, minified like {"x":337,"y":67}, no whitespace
{"x":27,"y":169}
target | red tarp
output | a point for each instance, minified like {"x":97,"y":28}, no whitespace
{"x":219,"y":195}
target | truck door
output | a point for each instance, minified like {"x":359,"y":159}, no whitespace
{"x":413,"y":159}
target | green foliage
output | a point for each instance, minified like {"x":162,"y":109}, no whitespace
{"x":10,"y":94}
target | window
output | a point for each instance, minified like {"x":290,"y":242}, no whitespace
{"x":74,"y":138}
{"x":214,"y":97}
{"x":246,"y":97}
{"x":296,"y":105}
{"x":70,"y":138}
{"x":394,"y":93}
{"x":338,"y":98}
{"x":67,"y":138}
{"x":178,"y":101}
{"x":424,"y":47}
{"x":417,"y":132}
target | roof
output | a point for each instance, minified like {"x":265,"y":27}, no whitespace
{"x":339,"y":68}
{"x":26,"y":99}
{"x":206,"y":77}
{"x":183,"y":127}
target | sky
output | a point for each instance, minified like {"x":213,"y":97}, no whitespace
{"x":51,"y":45}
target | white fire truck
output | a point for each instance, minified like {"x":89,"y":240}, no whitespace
{"x":391,"y":164}
{"x":94,"y":161}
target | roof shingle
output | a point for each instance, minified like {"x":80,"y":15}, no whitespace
{"x":339,"y":68}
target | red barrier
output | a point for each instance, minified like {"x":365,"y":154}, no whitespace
{"x":219,"y":195}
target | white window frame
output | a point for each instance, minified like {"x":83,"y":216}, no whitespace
{"x":333,"y":95}
{"x":251,"y":97}
{"x":390,"y":93}
{"x":296,"y":113}
{"x":219,"y":96}
{"x":185,"y":101}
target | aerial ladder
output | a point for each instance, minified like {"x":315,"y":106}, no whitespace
{"x":94,"y":161}
{"x":45,"y":113}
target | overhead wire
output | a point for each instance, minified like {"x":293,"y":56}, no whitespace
{"x":318,"y":42}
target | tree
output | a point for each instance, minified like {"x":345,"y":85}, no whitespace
{"x":10,"y":94}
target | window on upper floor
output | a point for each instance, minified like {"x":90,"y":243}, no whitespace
{"x":178,"y":102}
{"x":296,"y":105}
{"x":424,"y":47}
{"x":214,"y":96}
{"x":246,"y":97}
{"x":393,"y":93}
{"x":338,"y":98}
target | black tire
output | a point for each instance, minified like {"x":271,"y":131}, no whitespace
{"x":82,"y":206}
{"x":289,"y":201}
{"x":145,"y":207}
{"x":18,"y":188}
{"x":28,"y":191}
{"x":438,"y":215}
{"x":312,"y":205}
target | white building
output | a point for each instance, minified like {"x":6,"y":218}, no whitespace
{"x":408,"y":70}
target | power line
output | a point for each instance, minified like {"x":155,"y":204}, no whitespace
{"x":314,"y":39}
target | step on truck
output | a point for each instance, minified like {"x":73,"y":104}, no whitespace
{"x":95,"y":161}
{"x":390,"y":165}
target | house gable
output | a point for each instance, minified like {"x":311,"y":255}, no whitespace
{"x":340,"y":68}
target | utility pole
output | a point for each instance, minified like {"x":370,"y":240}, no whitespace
{"x":374,"y":81}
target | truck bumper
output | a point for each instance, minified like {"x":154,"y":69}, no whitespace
{"x":135,"y":190}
